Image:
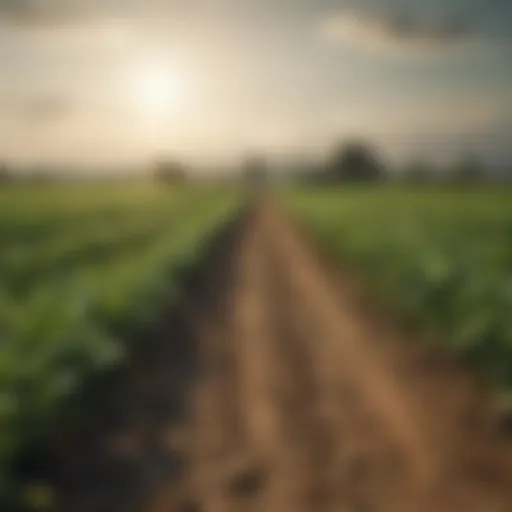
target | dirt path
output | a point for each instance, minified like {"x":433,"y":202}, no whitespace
{"x":273,"y":392}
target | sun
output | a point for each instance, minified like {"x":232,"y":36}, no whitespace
{"x":159,"y":90}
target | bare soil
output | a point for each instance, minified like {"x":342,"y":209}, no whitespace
{"x":272,"y":389}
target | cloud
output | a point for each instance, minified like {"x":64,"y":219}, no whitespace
{"x":35,"y":108}
{"x":394,"y":29}
{"x":33,"y":13}
{"x":74,"y":25}
{"x":93,"y":25}
{"x":46,"y":108}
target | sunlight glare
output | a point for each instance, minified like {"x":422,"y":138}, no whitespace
{"x":159,"y":90}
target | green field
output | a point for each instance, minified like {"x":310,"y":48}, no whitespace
{"x":83,"y":271}
{"x":440,"y":257}
{"x":86,"y":270}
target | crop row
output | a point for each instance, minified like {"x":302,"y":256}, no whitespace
{"x":443,"y":258}
{"x":62,"y":332}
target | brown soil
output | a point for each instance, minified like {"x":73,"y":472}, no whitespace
{"x":273,"y":390}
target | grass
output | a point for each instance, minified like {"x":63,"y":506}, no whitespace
{"x":442,"y":257}
{"x":84,"y":270}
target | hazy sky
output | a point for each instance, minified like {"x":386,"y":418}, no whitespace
{"x":114,"y":82}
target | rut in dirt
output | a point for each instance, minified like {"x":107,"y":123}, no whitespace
{"x":271,"y":390}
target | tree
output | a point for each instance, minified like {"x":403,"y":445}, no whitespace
{"x":468,"y":169}
{"x":356,"y":161}
{"x":255,"y":169}
{"x":5,"y":176}
{"x":419,"y":171}
{"x":170,"y":172}
{"x":309,"y":172}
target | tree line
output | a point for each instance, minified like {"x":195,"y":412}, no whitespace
{"x":349,"y":161}
{"x":361,"y":161}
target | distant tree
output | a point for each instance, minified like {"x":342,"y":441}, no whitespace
{"x":255,"y":169}
{"x":5,"y":175}
{"x":468,"y":169}
{"x":356,"y":161}
{"x":309,"y":172}
{"x":419,"y":171}
{"x":42,"y":176}
{"x":170,"y":172}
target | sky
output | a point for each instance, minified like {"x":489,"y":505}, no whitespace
{"x":115,"y":83}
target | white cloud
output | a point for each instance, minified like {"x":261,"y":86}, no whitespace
{"x":393,"y":31}
{"x":102,"y":33}
{"x":41,"y":107}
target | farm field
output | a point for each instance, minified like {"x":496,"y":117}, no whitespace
{"x":441,"y":257}
{"x":263,"y":383}
{"x":255,"y":256}
{"x":84,"y":270}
